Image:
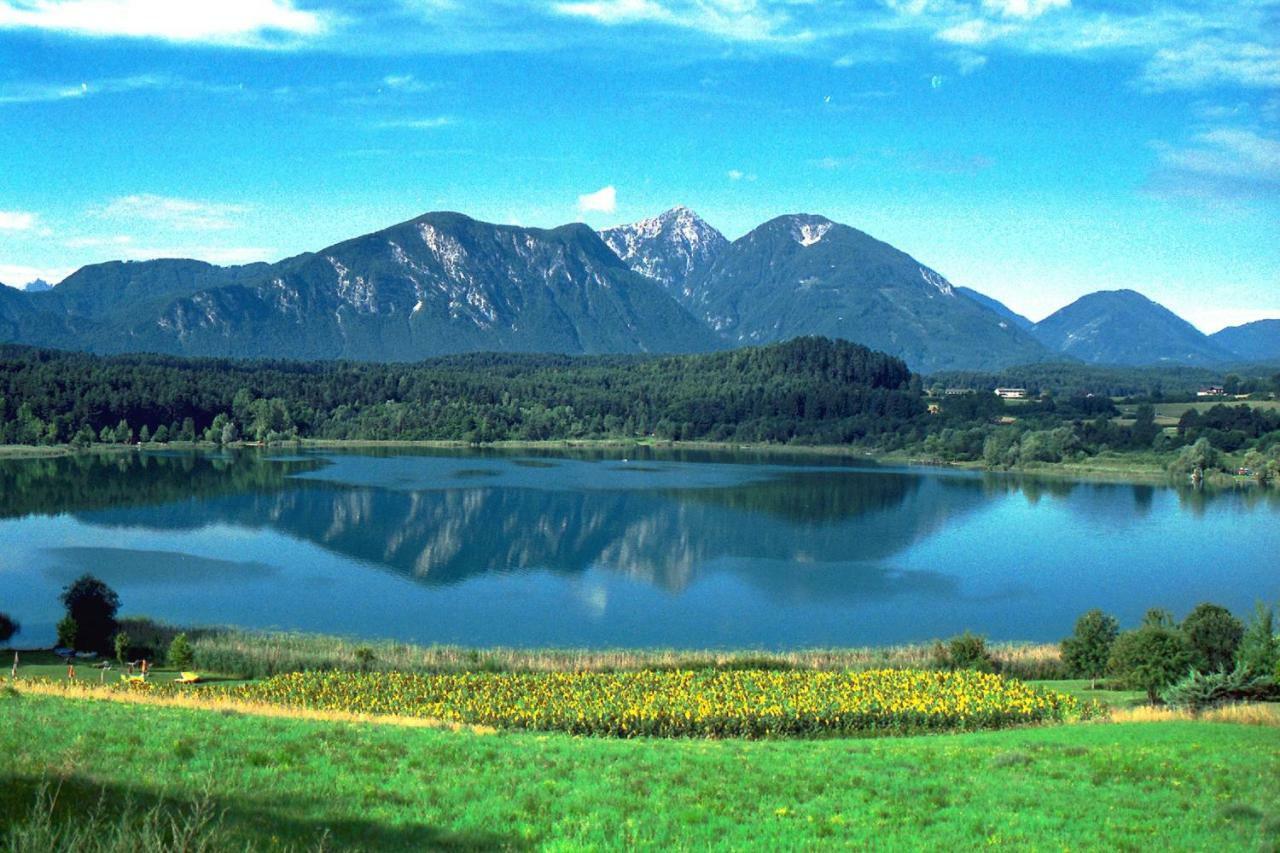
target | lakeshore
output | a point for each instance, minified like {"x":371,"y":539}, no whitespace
{"x":1115,"y":468}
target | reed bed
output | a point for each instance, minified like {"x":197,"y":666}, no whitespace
{"x":262,"y":655}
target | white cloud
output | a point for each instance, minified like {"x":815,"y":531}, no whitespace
{"x":418,"y":123}
{"x":731,"y":20}
{"x":739,"y":175}
{"x":603,"y":200}
{"x":97,"y":242}
{"x":221,"y":255}
{"x":1221,"y":167}
{"x":1023,"y":8}
{"x":237,"y":23}
{"x":406,"y":83}
{"x":41,"y":92}
{"x":19,"y":276}
{"x":17,"y":220}
{"x":1228,"y":152}
{"x":967,"y":61}
{"x":179,"y":214}
{"x":1212,"y":62}
{"x":974,"y":32}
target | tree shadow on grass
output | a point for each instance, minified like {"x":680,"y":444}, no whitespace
{"x":80,"y":803}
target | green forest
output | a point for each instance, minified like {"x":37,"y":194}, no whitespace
{"x":808,"y":391}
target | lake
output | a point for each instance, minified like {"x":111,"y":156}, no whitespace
{"x":640,"y":548}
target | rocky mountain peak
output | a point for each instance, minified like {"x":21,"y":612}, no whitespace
{"x":671,"y":248}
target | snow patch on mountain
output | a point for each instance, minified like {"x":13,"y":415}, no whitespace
{"x":932,"y":278}
{"x":808,"y":233}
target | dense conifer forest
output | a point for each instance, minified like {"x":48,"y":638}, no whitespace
{"x":809,"y":389}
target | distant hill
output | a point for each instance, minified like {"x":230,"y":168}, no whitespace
{"x":442,"y":283}
{"x":1125,"y":327}
{"x":997,"y":306}
{"x":806,"y":275}
{"x":1258,"y":341}
{"x":38,"y":286}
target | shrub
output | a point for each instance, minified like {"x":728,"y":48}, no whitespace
{"x":1214,"y":635}
{"x":8,"y":627}
{"x":122,"y":646}
{"x":965,"y":651}
{"x":1196,"y":459}
{"x":1259,"y":650}
{"x":68,"y":631}
{"x":1200,"y":690}
{"x":93,"y":605}
{"x":180,"y":654}
{"x":364,"y":658}
{"x":1087,"y":651}
{"x":1150,"y":658}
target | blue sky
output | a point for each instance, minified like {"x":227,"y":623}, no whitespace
{"x":1033,"y":149}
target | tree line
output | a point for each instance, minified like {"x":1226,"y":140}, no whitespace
{"x":809,"y":389}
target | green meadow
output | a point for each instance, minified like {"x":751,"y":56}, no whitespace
{"x":88,"y":769}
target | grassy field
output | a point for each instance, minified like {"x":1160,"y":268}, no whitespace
{"x":278,"y":782}
{"x":1168,"y":414}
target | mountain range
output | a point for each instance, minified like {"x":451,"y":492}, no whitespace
{"x":445,"y":283}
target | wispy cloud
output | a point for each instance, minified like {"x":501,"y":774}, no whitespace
{"x":739,"y":175}
{"x":1023,"y":8}
{"x":17,"y":220}
{"x":97,"y":242}
{"x":42,"y":92}
{"x":407,"y":83}
{"x":431,"y":123}
{"x":1222,"y":165}
{"x":733,"y":20}
{"x":179,"y":214}
{"x":18,"y":275}
{"x":603,"y":200}
{"x":223,"y":255}
{"x":232,"y":23}
{"x":1212,"y":62}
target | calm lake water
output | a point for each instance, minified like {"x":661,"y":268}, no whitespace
{"x":683,"y":550}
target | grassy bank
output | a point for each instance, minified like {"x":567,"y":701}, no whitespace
{"x":277,"y":782}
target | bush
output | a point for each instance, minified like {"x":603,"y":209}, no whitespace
{"x":1259,"y":650}
{"x":966,"y":651}
{"x":1087,"y":651}
{"x":1200,"y":690}
{"x":8,"y":627}
{"x":68,"y":631}
{"x":180,"y":654}
{"x":1150,"y":658}
{"x":122,"y":646}
{"x":1196,"y":459}
{"x":93,"y":605}
{"x":1214,"y":635}
{"x":364,"y":658}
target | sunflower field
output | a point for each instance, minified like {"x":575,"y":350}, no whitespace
{"x":739,"y":703}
